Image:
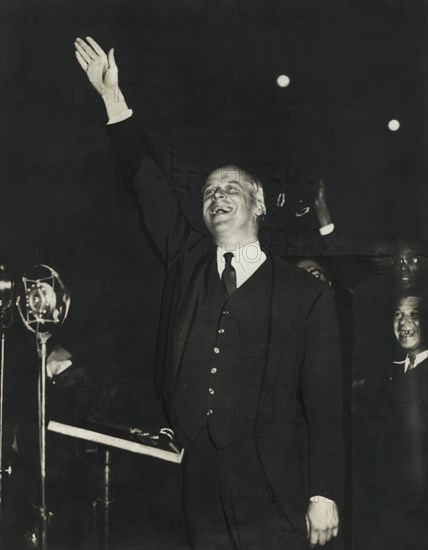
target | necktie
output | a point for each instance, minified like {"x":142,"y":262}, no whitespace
{"x":228,"y":277}
{"x":411,"y":362}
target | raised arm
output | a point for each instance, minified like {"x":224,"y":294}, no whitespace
{"x":141,"y":170}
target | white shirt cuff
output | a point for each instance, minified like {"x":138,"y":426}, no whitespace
{"x":120,"y":117}
{"x":318,"y":498}
{"x":327,"y":229}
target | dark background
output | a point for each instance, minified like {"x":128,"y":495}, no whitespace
{"x":202,"y":78}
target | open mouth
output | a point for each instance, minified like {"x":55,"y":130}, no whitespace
{"x":407,"y":333}
{"x":218,"y":210}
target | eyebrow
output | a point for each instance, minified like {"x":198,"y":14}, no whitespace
{"x":208,"y":184}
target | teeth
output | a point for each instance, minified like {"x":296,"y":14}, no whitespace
{"x":220,"y":210}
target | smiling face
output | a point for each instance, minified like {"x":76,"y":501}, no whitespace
{"x":408,"y":266}
{"x":407,"y":324}
{"x":232,"y":204}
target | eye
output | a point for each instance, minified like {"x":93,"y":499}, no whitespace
{"x":208,"y":192}
{"x":231,"y":188}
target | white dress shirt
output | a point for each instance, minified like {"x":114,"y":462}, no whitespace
{"x":246,"y":261}
{"x":123,"y":115}
{"x":418,"y":359}
{"x":326,"y":229}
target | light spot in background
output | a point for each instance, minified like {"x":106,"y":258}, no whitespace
{"x":393,"y":125}
{"x":283,"y":81}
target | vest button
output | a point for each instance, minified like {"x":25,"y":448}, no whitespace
{"x":211,"y":391}
{"x":213,"y":370}
{"x":221,"y":331}
{"x":216,"y":350}
{"x":210,"y":412}
{"x":225,"y":312}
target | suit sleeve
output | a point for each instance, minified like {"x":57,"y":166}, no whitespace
{"x":322,"y":398}
{"x":142,"y":172}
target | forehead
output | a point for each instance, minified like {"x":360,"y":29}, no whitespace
{"x":227,"y":174}
{"x":411,"y":303}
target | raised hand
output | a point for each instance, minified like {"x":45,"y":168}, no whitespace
{"x":103,"y":74}
{"x":100,"y":68}
{"x":321,"y":207}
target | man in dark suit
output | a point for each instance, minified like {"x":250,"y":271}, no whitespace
{"x":405,"y":444}
{"x":374,"y":302}
{"x":248,"y":357}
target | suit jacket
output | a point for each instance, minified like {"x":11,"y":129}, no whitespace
{"x":404,"y":460}
{"x":297,"y":429}
{"x":405,"y":420}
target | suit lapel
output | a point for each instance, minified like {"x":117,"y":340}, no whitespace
{"x":195,"y":293}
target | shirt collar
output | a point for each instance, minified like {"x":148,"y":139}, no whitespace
{"x":418,"y":359}
{"x":246,"y":261}
{"x":244,"y":257}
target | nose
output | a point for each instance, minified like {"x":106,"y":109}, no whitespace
{"x":405,"y":269}
{"x":218,"y":193}
{"x":405,"y":321}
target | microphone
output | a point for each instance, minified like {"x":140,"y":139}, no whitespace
{"x":6,"y":299}
{"x":43,"y":305}
{"x":43,"y":301}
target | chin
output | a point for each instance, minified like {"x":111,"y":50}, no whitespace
{"x":408,"y":346}
{"x":221,"y":227}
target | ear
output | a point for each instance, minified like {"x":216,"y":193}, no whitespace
{"x":261,"y":209}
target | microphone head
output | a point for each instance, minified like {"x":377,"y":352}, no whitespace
{"x":43,"y":301}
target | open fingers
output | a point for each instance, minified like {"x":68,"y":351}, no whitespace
{"x":81,"y":61}
{"x":87,"y":58}
{"x":89,"y":51}
{"x":95,"y":46}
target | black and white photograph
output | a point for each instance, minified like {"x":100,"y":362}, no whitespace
{"x":213,"y":275}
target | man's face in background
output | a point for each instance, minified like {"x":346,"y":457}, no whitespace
{"x":408,"y":327}
{"x":314,"y":268}
{"x":408,"y":267}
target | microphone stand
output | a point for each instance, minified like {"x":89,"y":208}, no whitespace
{"x":42,"y":338}
{"x":6,"y":294}
{"x":1,"y":414}
{"x":42,"y":300}
{"x":9,"y":469}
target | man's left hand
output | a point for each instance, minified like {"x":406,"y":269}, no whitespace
{"x":58,"y":361}
{"x":322,"y":521}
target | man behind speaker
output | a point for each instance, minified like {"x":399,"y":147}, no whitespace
{"x":405,"y":443}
